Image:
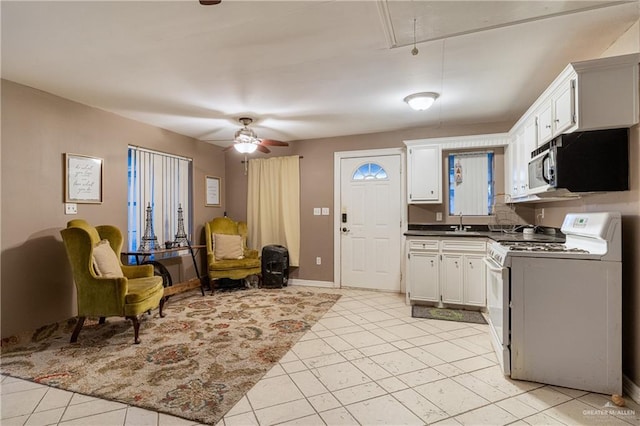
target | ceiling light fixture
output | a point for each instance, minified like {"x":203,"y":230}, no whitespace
{"x":245,"y":147}
{"x":245,"y":140}
{"x":421,"y":101}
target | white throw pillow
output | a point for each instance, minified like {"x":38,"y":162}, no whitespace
{"x":228,"y":247}
{"x":105,"y":261}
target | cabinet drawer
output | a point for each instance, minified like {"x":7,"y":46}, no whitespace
{"x":423,"y":245}
{"x":464,"y":245}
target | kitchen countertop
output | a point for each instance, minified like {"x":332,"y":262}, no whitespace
{"x":480,"y":231}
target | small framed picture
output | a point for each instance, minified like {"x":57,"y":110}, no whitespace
{"x":82,"y":179}
{"x":212,"y":191}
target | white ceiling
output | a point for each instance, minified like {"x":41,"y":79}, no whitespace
{"x":303,"y":69}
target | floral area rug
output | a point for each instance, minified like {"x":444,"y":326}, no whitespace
{"x":196,"y":362}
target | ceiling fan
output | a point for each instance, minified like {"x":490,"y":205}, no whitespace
{"x":246,"y":141}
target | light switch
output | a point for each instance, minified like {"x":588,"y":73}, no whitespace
{"x":316,"y":211}
{"x":325,"y":211}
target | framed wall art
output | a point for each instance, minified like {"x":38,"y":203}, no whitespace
{"x":212,"y":191}
{"x":82,"y":179}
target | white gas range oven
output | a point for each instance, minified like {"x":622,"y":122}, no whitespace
{"x":555,"y":310}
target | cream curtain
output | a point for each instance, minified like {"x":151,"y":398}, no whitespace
{"x":273,"y":204}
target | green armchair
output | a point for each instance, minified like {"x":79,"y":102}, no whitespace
{"x":105,"y":287}
{"x":240,"y":261}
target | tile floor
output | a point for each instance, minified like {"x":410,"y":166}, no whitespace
{"x":365,"y":362}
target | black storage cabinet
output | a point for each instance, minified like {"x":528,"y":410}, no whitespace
{"x":275,"y":266}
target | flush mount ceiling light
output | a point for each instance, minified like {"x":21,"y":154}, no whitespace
{"x":421,"y":101}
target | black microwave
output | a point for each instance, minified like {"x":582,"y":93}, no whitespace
{"x":580,"y":162}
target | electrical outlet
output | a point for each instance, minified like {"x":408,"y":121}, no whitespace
{"x":70,"y":208}
{"x":316,"y":211}
{"x":318,"y":260}
{"x":439,"y":216}
{"x":325,"y":211}
{"x":541,"y":213}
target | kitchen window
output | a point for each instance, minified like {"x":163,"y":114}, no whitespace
{"x":471,"y":185}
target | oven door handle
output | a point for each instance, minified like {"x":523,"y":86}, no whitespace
{"x":492,"y":265}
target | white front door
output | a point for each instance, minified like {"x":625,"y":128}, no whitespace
{"x":370,"y":222}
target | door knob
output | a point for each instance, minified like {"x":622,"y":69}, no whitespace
{"x":345,"y":230}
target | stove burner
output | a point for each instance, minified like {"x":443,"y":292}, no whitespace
{"x":537,"y":246}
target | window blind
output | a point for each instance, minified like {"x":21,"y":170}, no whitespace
{"x":163,"y":182}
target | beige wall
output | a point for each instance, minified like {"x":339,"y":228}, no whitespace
{"x":316,"y":186}
{"x":37,"y":128}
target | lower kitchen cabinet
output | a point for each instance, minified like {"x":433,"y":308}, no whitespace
{"x":452,"y":278}
{"x":475,"y":284}
{"x":423,"y":270}
{"x":447,"y":271}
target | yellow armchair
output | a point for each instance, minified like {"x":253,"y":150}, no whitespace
{"x":128,"y":292}
{"x":236,"y":268}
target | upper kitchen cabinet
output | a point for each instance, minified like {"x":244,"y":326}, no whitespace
{"x":558,"y":112}
{"x":424,"y":174}
{"x":517,"y":155}
{"x":424,"y":162}
{"x":588,"y":95}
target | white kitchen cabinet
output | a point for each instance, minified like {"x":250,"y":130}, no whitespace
{"x":424,"y":174}
{"x":452,"y":278}
{"x":423,"y":270}
{"x":563,"y":103}
{"x":589,"y":95}
{"x":475,"y":284}
{"x":523,"y":141}
{"x":463,"y":271}
{"x":557,"y":113}
{"x":446,"y":271}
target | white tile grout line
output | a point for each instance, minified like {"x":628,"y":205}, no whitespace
{"x":391,"y":394}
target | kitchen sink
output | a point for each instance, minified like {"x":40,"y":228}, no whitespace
{"x":461,"y":233}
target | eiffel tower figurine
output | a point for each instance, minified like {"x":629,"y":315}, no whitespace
{"x":149,"y":239}
{"x":181,"y":235}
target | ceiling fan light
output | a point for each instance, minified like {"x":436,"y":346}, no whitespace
{"x":421,"y":101}
{"x":245,"y":147}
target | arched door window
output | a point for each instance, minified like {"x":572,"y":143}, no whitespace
{"x":370,"y":171}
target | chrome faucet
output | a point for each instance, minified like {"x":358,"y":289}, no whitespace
{"x":460,"y":227}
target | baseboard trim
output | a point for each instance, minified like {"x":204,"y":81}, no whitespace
{"x":630,"y":389}
{"x":312,"y":283}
